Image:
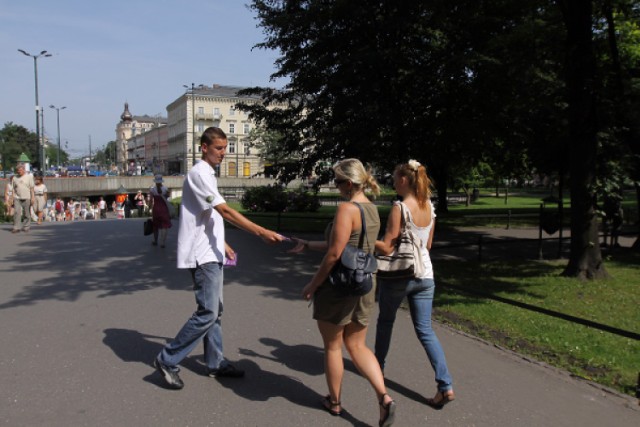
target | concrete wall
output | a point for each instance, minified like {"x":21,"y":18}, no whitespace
{"x":103,"y":186}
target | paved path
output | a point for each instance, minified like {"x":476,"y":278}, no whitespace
{"x":84,"y":307}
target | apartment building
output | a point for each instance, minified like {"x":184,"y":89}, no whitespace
{"x":201,"y":107}
{"x":141,"y":144}
{"x":171,"y":145}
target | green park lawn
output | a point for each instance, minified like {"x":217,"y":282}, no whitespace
{"x":584,"y":351}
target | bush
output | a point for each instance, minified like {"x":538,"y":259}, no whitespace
{"x":301,"y":200}
{"x":269,"y":198}
{"x":274,"y":198}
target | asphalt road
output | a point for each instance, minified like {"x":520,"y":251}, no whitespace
{"x":85,"y":307}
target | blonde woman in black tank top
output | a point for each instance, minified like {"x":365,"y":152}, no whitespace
{"x":343,"y":320}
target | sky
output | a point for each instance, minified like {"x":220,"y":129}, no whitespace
{"x":106,"y":53}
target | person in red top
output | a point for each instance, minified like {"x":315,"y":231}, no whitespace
{"x":160,"y":213}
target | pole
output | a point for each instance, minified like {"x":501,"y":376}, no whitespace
{"x":44,"y":157}
{"x":193,"y":125}
{"x":35,"y":72}
{"x":58,"y":120}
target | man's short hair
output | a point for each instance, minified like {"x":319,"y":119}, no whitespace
{"x":212,"y":133}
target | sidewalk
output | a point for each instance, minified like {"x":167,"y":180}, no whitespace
{"x":85,"y":306}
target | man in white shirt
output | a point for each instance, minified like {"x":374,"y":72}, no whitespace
{"x":23,"y":198}
{"x":202,"y":249}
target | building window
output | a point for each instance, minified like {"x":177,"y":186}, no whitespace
{"x":232,"y":128}
{"x":232,"y":110}
{"x":232,"y":147}
{"x":246,"y":128}
{"x":200,"y":110}
{"x":200,"y":127}
{"x":246,"y":169}
{"x":247,"y":149}
{"x":232,"y":169}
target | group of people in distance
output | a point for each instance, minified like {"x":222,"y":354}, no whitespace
{"x":342,"y":320}
{"x":26,"y":200}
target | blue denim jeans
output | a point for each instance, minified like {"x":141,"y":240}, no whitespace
{"x":205,"y":322}
{"x":419,"y":293}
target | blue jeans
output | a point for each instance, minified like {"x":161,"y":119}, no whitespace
{"x":204,"y":322}
{"x":419,"y":293}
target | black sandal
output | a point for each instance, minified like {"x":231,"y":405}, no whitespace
{"x":328,"y":404}
{"x":390,"y":415}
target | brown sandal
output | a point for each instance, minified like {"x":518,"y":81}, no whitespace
{"x":329,"y":405}
{"x":441,"y":399}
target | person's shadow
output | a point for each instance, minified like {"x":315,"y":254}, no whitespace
{"x":303,"y":358}
{"x":133,"y":346}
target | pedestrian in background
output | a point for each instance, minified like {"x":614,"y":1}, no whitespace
{"x":59,"y":208}
{"x":102,"y":206}
{"x":412,"y":184}
{"x":40,"y":193}
{"x":23,"y":198}
{"x":8,"y":197}
{"x":139,"y":201}
{"x":202,"y":250}
{"x":159,"y":202}
{"x":343,"y":320}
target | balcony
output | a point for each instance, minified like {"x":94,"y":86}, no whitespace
{"x":208,"y":116}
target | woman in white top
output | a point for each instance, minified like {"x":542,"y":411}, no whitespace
{"x":8,"y":196}
{"x":40,"y":191}
{"x":411,"y":182}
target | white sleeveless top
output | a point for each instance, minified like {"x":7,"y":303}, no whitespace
{"x":423,"y":234}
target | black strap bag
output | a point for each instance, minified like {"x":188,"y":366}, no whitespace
{"x":353,"y":273}
{"x":148,"y":227}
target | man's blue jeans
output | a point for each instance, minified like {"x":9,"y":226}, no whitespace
{"x":204,"y":323}
{"x":419,"y":293}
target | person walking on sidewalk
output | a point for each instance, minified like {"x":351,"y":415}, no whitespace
{"x":158,"y":200}
{"x":23,"y":198}
{"x":40,"y":192}
{"x":8,"y":196}
{"x":343,"y":319}
{"x":412,"y":184}
{"x":202,"y":250}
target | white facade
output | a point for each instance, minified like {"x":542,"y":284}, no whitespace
{"x":203,"y":107}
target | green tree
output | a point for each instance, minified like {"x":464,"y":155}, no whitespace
{"x":17,"y":139}
{"x":105,"y":156}
{"x":404,"y":80}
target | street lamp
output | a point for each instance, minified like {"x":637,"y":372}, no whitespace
{"x":35,"y":72}
{"x":193,"y":123}
{"x":58,"y":114}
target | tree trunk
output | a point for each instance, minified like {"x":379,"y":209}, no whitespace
{"x":636,"y":244}
{"x":585,"y":259}
{"x":441,"y":179}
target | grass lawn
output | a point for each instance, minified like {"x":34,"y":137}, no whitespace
{"x":590,"y":353}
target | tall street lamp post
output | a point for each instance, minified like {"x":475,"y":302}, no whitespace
{"x":193,"y":123}
{"x":35,"y":72}
{"x":58,"y":114}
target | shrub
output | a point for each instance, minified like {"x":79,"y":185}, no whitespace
{"x":269,"y":198}
{"x":301,"y":200}
{"x":274,"y":198}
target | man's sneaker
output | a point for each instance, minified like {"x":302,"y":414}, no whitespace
{"x":169,"y":375}
{"x":227,"y":370}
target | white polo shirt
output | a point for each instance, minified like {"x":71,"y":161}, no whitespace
{"x":201,"y":233}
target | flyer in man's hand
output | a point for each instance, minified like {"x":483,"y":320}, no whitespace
{"x":228,"y":262}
